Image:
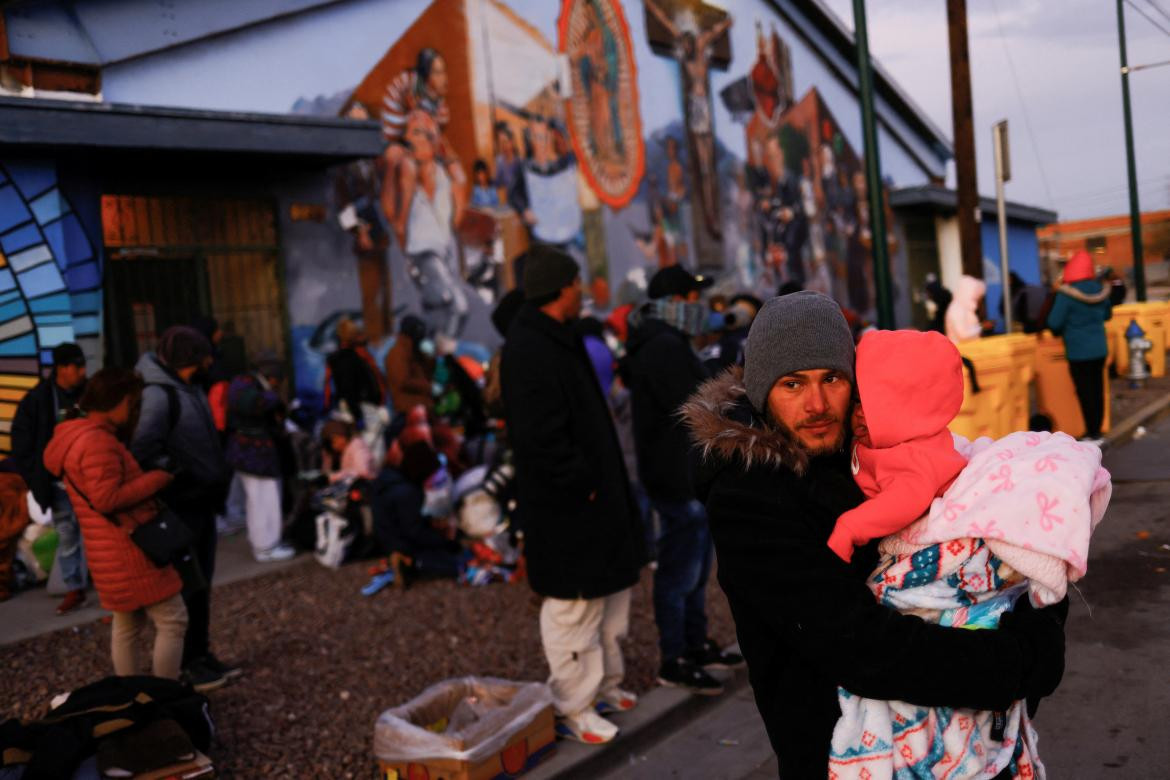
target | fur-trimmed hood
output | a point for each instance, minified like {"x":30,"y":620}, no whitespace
{"x":724,"y":425}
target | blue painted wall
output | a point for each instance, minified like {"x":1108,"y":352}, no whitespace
{"x":1023,"y":258}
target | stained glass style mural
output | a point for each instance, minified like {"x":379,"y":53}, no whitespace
{"x":50,"y":281}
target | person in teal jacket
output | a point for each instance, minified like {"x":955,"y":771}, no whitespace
{"x":1082,"y":305}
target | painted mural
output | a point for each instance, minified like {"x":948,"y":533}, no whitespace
{"x":632,"y":135}
{"x":602,"y":109}
{"x":50,"y":281}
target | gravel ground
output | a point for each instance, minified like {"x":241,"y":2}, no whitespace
{"x":321,"y":662}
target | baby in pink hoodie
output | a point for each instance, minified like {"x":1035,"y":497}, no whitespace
{"x":910,"y":385}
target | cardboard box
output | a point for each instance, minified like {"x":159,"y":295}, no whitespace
{"x":525,"y":750}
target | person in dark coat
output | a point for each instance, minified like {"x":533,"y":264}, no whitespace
{"x":663,"y":371}
{"x":397,"y":497}
{"x":36,"y":417}
{"x":938,"y":300}
{"x":256,"y":414}
{"x":773,"y":469}
{"x":410,"y":370}
{"x":583,"y":541}
{"x":176,"y":432}
{"x":352,"y":377}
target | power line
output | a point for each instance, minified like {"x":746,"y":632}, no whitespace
{"x":1148,"y":66}
{"x":1158,"y":8}
{"x":1149,"y":18}
{"x":1023,"y":105}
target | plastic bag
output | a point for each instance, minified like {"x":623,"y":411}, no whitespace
{"x":462,"y":719}
{"x":36,"y":514}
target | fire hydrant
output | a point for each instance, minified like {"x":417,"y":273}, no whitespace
{"x":1138,"y":346}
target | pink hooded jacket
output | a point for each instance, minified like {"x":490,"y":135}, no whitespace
{"x":911,"y":387}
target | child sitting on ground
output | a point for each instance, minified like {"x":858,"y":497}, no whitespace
{"x":910,"y":386}
{"x":345,"y":455}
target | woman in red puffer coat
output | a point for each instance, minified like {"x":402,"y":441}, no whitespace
{"x":112,"y":496}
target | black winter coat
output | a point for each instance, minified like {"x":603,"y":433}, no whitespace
{"x":806,"y":621}
{"x":32,"y":428}
{"x":399,"y":522}
{"x":662,"y":372}
{"x":583,"y":538}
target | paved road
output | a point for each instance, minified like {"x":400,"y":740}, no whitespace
{"x":1111,"y":716}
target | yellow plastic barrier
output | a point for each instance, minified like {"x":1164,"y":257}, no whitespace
{"x":1055,"y":394}
{"x":1154,"y":319}
{"x":1022,"y":349}
{"x":1001,"y":405}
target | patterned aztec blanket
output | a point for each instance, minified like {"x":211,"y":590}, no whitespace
{"x":1017,"y":519}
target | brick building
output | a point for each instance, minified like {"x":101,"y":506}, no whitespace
{"x":1109,"y":240}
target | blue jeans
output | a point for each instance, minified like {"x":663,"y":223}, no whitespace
{"x":70,"y":553}
{"x":680,"y":582}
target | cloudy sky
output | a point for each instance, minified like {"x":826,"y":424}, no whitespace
{"x":1050,"y":64}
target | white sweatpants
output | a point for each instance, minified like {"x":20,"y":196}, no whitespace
{"x":581,"y":642}
{"x":265,"y":519}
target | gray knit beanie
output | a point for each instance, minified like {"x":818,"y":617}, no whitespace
{"x":797,"y":332}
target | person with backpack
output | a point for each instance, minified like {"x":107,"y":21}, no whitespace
{"x":176,"y":432}
{"x":113,"y":497}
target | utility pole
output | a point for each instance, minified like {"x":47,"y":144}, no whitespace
{"x":873,"y":174}
{"x":1003,"y":173}
{"x":970,"y":240}
{"x":1135,"y":212}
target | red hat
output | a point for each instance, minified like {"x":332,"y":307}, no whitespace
{"x":1079,"y":267}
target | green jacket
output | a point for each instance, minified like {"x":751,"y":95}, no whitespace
{"x":1079,"y":315}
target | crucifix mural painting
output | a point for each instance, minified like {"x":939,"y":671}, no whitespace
{"x":695,"y":34}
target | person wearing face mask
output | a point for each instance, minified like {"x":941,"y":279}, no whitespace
{"x":410,"y":367}
{"x":176,"y":432}
{"x":113,"y":496}
{"x":663,"y":370}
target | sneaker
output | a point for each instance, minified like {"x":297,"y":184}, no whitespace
{"x":203,"y":678}
{"x":616,"y":700}
{"x":281,"y":552}
{"x":228,"y":671}
{"x":683,"y":673}
{"x":1096,"y":441}
{"x":74,"y":599}
{"x":587,"y":727}
{"x":710,"y":656}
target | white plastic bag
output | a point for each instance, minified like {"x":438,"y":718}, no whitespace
{"x":421,"y":729}
{"x":36,"y":514}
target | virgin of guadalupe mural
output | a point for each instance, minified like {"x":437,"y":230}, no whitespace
{"x":602,"y":112}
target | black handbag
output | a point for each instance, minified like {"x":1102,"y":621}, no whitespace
{"x":164,"y":540}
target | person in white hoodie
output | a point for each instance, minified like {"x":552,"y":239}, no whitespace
{"x":962,"y":318}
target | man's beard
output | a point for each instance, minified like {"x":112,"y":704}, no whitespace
{"x":825,"y":448}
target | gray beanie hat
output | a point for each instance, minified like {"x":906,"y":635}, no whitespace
{"x":797,"y":332}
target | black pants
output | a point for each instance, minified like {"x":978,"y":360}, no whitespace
{"x":196,"y":644}
{"x":1088,"y":377}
